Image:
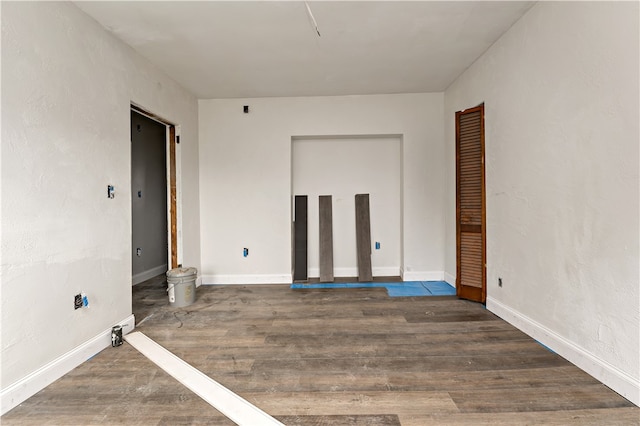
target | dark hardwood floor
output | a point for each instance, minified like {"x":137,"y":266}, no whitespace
{"x":329,"y":357}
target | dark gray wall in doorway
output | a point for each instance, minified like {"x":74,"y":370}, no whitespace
{"x":148,"y":197}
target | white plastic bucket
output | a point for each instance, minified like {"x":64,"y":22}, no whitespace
{"x":181,"y":286}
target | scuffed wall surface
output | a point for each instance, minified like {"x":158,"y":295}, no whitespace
{"x":561,"y":109}
{"x":66,"y":90}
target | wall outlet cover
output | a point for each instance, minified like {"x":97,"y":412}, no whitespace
{"x":77,"y":301}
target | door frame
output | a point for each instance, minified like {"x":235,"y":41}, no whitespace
{"x":173,"y":140}
{"x":469,"y":292}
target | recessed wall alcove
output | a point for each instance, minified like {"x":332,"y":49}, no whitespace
{"x":342,"y":166}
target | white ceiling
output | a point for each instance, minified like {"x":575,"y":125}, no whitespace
{"x":233,"y":49}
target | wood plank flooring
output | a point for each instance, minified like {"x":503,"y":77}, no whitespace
{"x":329,"y":357}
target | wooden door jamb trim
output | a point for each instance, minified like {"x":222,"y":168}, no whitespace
{"x":173,"y":197}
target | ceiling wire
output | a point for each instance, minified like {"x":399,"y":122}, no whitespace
{"x":315,"y":24}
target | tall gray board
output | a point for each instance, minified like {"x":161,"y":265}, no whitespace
{"x":363,"y":238}
{"x":325,"y":211}
{"x":300,"y":239}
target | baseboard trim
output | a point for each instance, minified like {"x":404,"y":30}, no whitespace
{"x":608,"y":374}
{"x":247,"y":279}
{"x":150,"y":273}
{"x":450,"y":279}
{"x":386,"y":271}
{"x":422,"y":275}
{"x":20,"y":391}
{"x":337,"y":272}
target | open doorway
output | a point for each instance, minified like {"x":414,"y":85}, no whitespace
{"x":167,"y":140}
{"x":154,"y":215}
{"x":149,"y":237}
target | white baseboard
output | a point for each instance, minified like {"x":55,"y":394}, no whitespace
{"x":422,"y":275}
{"x":20,"y":391}
{"x":450,"y":279}
{"x":150,"y":273}
{"x":337,"y":272}
{"x":387,"y":271}
{"x":608,"y":374}
{"x":247,"y":279}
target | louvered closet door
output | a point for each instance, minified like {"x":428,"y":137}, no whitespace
{"x":470,"y":205}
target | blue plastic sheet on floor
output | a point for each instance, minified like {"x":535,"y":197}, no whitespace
{"x":398,"y":289}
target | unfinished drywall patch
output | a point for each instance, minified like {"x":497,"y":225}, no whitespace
{"x":343,"y":167}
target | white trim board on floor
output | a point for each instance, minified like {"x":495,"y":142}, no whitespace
{"x":228,"y":403}
{"x":25,"y":388}
{"x":611,"y":376}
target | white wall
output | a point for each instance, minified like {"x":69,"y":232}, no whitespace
{"x":67,"y":86}
{"x":561,"y":105}
{"x":245,"y":177}
{"x":343,"y":167}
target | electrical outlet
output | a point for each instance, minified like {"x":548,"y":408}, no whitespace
{"x":245,"y":252}
{"x":77,"y":301}
{"x":499,"y":282}
{"x":138,"y":252}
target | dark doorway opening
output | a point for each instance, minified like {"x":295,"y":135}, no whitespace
{"x":149,"y":236}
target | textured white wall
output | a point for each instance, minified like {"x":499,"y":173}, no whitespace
{"x":561,"y":104}
{"x":342,"y":168}
{"x":245,"y":177}
{"x":66,"y":92}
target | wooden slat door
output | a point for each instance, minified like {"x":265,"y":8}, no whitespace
{"x":470,"y":205}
